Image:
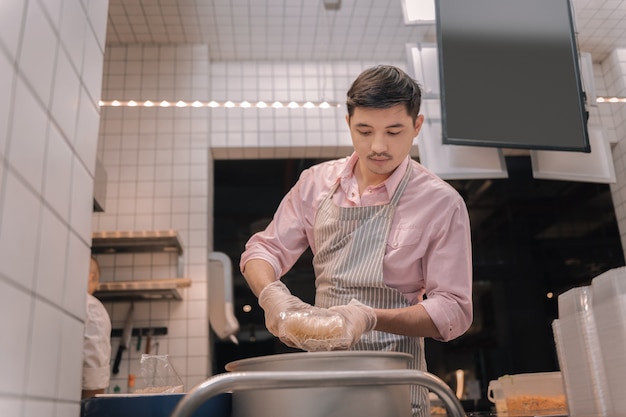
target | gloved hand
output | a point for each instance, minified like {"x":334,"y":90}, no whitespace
{"x":314,"y":329}
{"x":275,"y":299}
{"x":358,"y":318}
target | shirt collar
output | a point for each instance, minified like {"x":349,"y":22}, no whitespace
{"x":390,"y":183}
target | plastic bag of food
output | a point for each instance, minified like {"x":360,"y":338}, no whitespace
{"x":157,"y":375}
{"x":314,"y":330}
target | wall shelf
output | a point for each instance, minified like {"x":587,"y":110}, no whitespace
{"x":116,"y":242}
{"x":136,"y":241}
{"x":145,"y":290}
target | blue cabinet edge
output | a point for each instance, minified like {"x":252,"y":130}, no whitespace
{"x":151,"y":406}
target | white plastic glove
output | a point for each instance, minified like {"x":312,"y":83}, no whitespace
{"x":276,"y":299}
{"x":358,"y":318}
{"x":314,"y":329}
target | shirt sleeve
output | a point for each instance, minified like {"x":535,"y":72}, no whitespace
{"x":285,"y":238}
{"x":96,"y":346}
{"x":448,"y":271}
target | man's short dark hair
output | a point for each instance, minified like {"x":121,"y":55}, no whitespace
{"x":384,"y":86}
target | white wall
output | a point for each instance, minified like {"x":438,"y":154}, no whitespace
{"x":50,"y":77}
{"x":157,"y":163}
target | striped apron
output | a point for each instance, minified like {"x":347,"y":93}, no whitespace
{"x":351,"y":244}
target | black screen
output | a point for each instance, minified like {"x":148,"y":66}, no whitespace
{"x":509,"y":75}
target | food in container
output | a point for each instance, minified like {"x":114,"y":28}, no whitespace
{"x":534,"y":394}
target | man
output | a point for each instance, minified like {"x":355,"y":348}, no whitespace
{"x":385,"y":232}
{"x":96,"y":341}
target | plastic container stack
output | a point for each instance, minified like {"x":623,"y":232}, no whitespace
{"x":590,"y":336}
{"x":580,"y":358}
{"x":609,"y":309}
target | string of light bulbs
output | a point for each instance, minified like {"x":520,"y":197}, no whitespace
{"x":259,"y":104}
{"x":225,"y":104}
{"x":610,"y":99}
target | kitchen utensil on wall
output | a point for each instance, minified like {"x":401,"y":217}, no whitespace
{"x":125,"y":340}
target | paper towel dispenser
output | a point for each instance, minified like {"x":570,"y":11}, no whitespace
{"x":221,"y":305}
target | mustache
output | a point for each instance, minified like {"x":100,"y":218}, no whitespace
{"x":378,"y":155}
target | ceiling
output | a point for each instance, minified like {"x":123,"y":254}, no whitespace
{"x":303,"y":30}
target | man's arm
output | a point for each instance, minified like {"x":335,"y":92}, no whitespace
{"x":409,"y":321}
{"x":258,"y":274}
{"x":88,"y":393}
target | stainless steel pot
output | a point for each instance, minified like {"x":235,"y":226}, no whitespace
{"x":328,"y":401}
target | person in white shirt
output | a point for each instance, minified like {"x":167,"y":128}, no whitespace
{"x":97,"y":340}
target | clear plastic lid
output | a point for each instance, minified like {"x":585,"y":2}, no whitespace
{"x":608,"y":285}
{"x":576,"y":300}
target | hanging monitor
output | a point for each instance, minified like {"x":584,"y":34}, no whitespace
{"x":509,"y":75}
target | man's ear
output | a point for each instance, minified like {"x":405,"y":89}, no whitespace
{"x":419,"y":121}
{"x":348,"y":119}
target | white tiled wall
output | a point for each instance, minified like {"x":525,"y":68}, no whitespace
{"x":283,"y":132}
{"x":51,"y":56}
{"x":157,"y":171}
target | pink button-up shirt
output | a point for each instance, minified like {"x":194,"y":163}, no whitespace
{"x":428,"y":248}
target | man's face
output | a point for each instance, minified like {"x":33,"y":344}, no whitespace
{"x":382,"y":138}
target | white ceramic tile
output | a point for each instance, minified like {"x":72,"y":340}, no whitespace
{"x":2,"y":173}
{"x":58,"y":171}
{"x":75,"y":288}
{"x":50,"y":271}
{"x":197,"y":308}
{"x":39,"y":46}
{"x":38,"y":407}
{"x":11,"y":13}
{"x":28,"y":137}
{"x":92,"y":67}
{"x":14,"y":303}
{"x":198,"y":327}
{"x":197,"y":346}
{"x":64,"y":408}
{"x":97,"y":15}
{"x":65,"y":96}
{"x":45,"y":346}
{"x":70,"y":359}
{"x":18,"y":232}
{"x":198,"y":366}
{"x":11,"y":406}
{"x":7,"y":78}
{"x":72,"y":31}
{"x":81,"y":206}
{"x":177,"y":346}
{"x":53,"y":10}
